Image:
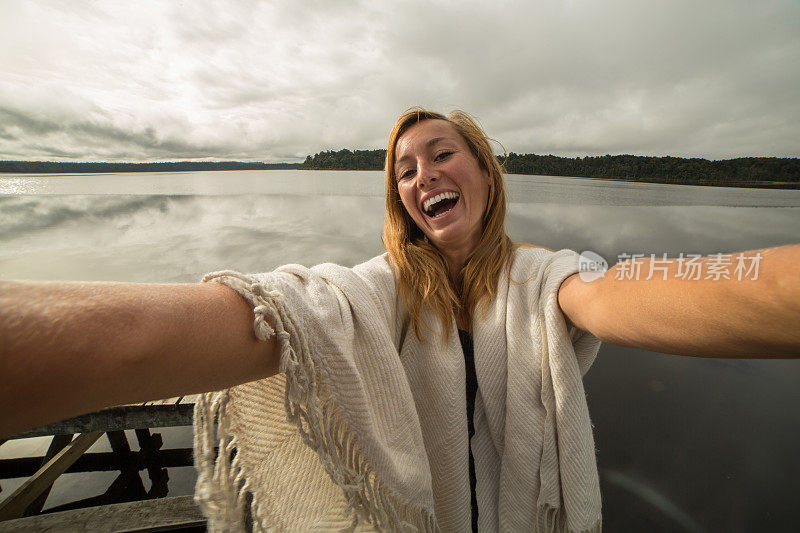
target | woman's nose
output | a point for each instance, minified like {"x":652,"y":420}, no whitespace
{"x":426,"y":176}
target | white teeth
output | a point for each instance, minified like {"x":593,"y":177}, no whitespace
{"x":438,"y":198}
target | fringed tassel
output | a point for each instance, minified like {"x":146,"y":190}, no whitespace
{"x":220,"y":481}
{"x":221,"y":484}
{"x":553,"y":520}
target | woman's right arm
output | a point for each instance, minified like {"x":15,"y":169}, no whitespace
{"x":68,"y":348}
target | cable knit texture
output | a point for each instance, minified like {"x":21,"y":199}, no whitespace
{"x":365,"y":426}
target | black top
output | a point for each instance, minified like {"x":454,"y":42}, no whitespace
{"x":472,"y":388}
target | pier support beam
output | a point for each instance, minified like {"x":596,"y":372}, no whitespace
{"x":15,"y":505}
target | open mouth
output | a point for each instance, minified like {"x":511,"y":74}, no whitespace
{"x":441,"y":204}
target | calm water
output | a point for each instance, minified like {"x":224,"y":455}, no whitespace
{"x":683,"y":444}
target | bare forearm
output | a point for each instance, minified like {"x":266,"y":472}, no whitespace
{"x":707,"y":317}
{"x":68,"y":348}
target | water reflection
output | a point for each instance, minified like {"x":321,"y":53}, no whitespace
{"x":683,"y":443}
{"x":19,"y":185}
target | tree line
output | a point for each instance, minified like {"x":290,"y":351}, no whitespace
{"x":727,"y":172}
{"x":750,"y":171}
{"x":48,"y":167}
{"x":743,"y":171}
{"x":346,"y":160}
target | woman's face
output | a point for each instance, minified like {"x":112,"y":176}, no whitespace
{"x":442,"y":185}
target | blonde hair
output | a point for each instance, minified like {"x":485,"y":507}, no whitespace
{"x":421,"y":270}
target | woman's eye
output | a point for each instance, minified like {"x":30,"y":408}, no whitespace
{"x":406,"y":174}
{"x":443,"y":155}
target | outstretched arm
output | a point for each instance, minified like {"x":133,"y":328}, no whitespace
{"x":70,"y":348}
{"x":703,"y":318}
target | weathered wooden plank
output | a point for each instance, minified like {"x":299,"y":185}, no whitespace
{"x":20,"y":499}
{"x":118,"y":418}
{"x":58,"y":443}
{"x":159,"y":402}
{"x":156,"y":402}
{"x":176,"y":512}
{"x":168,"y":401}
{"x":165,"y":401}
{"x":190,"y":399}
{"x":95,"y":462}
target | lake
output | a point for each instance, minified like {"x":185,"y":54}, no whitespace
{"x":683,"y":444}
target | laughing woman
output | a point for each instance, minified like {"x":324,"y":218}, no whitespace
{"x":436,"y":387}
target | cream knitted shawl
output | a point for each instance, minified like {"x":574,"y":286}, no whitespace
{"x":365,"y":427}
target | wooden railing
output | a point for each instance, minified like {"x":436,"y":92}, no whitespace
{"x":71,"y":438}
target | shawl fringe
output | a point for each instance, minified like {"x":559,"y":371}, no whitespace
{"x":222,"y":485}
{"x":553,"y":520}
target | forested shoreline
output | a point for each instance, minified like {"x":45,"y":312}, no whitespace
{"x":744,"y":171}
{"x":50,"y":167}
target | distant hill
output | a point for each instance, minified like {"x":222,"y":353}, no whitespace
{"x":745,"y":171}
{"x":49,"y":167}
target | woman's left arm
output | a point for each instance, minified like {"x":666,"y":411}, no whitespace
{"x":757,"y":316}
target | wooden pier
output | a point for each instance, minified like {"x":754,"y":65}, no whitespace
{"x":126,"y":505}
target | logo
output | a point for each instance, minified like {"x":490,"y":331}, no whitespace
{"x":591,"y":266}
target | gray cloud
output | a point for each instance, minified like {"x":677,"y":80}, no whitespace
{"x":100,"y":141}
{"x":272,"y":81}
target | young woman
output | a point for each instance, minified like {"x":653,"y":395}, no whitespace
{"x":435,"y":387}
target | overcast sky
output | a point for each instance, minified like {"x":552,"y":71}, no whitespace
{"x":274,"y":81}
